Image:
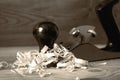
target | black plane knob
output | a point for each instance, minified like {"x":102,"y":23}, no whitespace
{"x":45,"y":33}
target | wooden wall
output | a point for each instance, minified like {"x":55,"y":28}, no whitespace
{"x":18,"y":17}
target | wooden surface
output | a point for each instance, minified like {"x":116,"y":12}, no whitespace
{"x":87,"y":52}
{"x":96,"y":71}
{"x":18,"y":17}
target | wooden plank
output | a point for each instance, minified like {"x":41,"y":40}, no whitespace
{"x":96,"y":71}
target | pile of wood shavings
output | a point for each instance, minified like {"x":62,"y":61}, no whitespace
{"x":36,"y":62}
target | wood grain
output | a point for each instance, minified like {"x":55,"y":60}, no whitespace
{"x":18,"y":17}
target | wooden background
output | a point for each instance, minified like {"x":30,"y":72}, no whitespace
{"x":18,"y":17}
